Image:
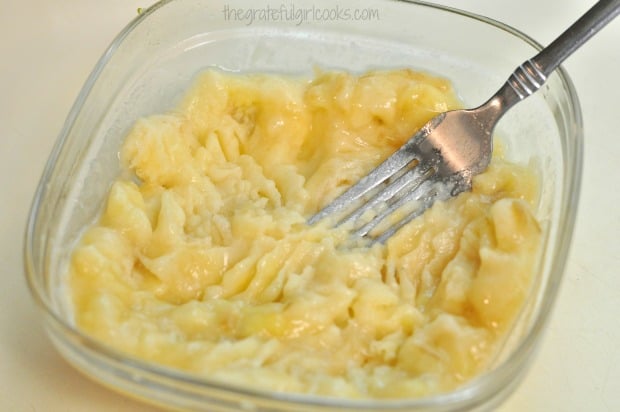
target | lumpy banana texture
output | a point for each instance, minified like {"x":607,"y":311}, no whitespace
{"x":202,"y":259}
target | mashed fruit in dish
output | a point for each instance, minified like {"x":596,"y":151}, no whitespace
{"x":202,"y":259}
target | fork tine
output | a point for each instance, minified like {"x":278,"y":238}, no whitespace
{"x":423,"y":187}
{"x":408,"y":181}
{"x":427,"y":200}
{"x":439,"y":190}
{"x":401,"y":158}
{"x":390,"y":166}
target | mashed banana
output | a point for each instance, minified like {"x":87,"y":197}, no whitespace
{"x":202,"y":259}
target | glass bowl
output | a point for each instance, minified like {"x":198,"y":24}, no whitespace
{"x":153,"y":61}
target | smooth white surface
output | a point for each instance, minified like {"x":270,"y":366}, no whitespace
{"x":47,"y":50}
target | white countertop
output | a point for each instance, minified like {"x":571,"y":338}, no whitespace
{"x":47,"y":48}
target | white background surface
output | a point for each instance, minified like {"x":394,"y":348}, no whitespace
{"x":47,"y":49}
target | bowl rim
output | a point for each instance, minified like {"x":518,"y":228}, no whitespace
{"x":465,"y":395}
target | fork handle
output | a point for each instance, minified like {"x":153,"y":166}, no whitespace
{"x":533,"y":73}
{"x":576,"y":35}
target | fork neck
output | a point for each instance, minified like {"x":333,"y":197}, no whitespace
{"x":506,"y":97}
{"x":522,"y":83}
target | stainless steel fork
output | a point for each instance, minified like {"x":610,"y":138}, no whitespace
{"x":440,"y":160}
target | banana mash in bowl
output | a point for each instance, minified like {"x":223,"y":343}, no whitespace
{"x":170,"y":249}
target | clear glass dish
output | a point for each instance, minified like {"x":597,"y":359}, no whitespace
{"x":153,"y":61}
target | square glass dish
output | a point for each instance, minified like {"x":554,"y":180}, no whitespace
{"x":154,"y":60}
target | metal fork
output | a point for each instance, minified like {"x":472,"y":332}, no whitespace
{"x":440,"y":160}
